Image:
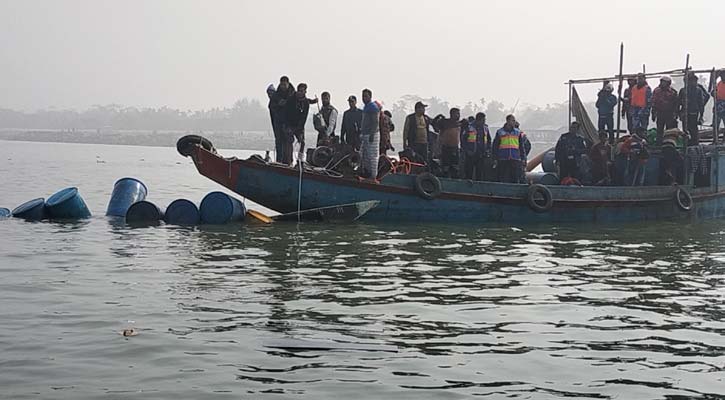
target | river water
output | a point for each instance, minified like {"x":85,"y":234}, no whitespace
{"x":359,"y":311}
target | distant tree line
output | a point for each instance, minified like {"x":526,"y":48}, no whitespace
{"x":252,"y":115}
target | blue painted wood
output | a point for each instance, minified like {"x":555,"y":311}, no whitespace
{"x":182,"y":212}
{"x":126,"y":191}
{"x":33,"y":210}
{"x":67,"y":204}
{"x":461,"y":201}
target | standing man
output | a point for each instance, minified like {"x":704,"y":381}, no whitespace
{"x":450,"y":130}
{"x":277,"y":111}
{"x":327,"y":121}
{"x":386,"y":127}
{"x":640,"y":103}
{"x":351,"y":121}
{"x":720,"y":99}
{"x":476,"y":148}
{"x":568,"y":152}
{"x":526,"y":147}
{"x":370,"y":136}
{"x":415,"y":131}
{"x":606,"y":101}
{"x":298,"y":107}
{"x":507,"y":148}
{"x":600,"y":155}
{"x":665,"y":104}
{"x":692,"y":107}
{"x":626,"y":103}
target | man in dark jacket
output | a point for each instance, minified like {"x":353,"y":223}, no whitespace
{"x":568,"y":152}
{"x":692,"y":108}
{"x":665,"y":103}
{"x":277,"y":110}
{"x":351,"y":121}
{"x":600,"y":154}
{"x":627,"y":102}
{"x":606,"y":101}
{"x":416,"y":131}
{"x":298,"y":107}
{"x":476,"y":148}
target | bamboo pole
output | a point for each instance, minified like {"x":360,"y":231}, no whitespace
{"x":569,"y":105}
{"x":619,"y":89}
{"x":684,"y":117}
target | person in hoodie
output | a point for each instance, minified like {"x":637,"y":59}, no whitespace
{"x":450,"y":130}
{"x":665,"y":104}
{"x":298,"y":107}
{"x":606,"y":101}
{"x":370,"y":136}
{"x":640,"y":103}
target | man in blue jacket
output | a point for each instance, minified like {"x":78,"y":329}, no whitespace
{"x":606,"y":101}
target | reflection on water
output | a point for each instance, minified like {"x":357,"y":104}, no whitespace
{"x":364,"y":311}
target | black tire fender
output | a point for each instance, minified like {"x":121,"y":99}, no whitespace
{"x":427,"y":185}
{"x":683,"y":199}
{"x":322,"y":156}
{"x":534,"y":197}
{"x":185,"y":145}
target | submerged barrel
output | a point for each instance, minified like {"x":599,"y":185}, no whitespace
{"x":182,"y":212}
{"x":220,"y":208}
{"x":67,"y":204}
{"x":126,"y":191}
{"x":5,"y":213}
{"x":144,"y":212}
{"x":547,"y":164}
{"x":33,"y":210}
{"x":542,"y":178}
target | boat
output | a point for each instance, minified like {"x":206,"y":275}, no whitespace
{"x":422,"y":197}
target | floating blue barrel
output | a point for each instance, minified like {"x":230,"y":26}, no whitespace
{"x":33,"y":210}
{"x":143,"y":212}
{"x":182,"y":212}
{"x":220,"y":208}
{"x":542,"y":178}
{"x":67,"y":204}
{"x":126,"y":191}
{"x":5,"y":213}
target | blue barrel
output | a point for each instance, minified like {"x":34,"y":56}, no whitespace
{"x":547,"y":164}
{"x":33,"y":210}
{"x":182,"y":212}
{"x":5,"y":213}
{"x":143,"y":212}
{"x":126,"y":191}
{"x":542,"y":178}
{"x":220,"y":208}
{"x":67,"y":204}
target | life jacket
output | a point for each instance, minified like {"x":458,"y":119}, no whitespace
{"x":471,"y":134}
{"x":720,"y":92}
{"x":639,"y":96}
{"x":508,"y":145}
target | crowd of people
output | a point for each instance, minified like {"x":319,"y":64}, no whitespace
{"x":464,"y":147}
{"x":623,"y":161}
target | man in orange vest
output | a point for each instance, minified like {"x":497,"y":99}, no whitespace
{"x":640,"y":103}
{"x":720,"y":99}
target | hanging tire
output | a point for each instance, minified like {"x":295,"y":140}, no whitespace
{"x":539,"y":198}
{"x":322,"y":156}
{"x":186,"y":144}
{"x":427,"y":185}
{"x":683,"y":199}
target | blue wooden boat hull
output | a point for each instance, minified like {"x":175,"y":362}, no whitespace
{"x":276,"y":187}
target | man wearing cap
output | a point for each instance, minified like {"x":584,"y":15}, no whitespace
{"x":450,"y":129}
{"x":415,"y":131}
{"x":692,"y":107}
{"x":606,"y":101}
{"x":640,"y":103}
{"x":351,"y":121}
{"x":665,"y":104}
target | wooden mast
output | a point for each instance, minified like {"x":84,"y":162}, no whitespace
{"x":619,"y":89}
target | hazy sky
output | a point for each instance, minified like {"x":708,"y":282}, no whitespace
{"x":202,"y":54}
